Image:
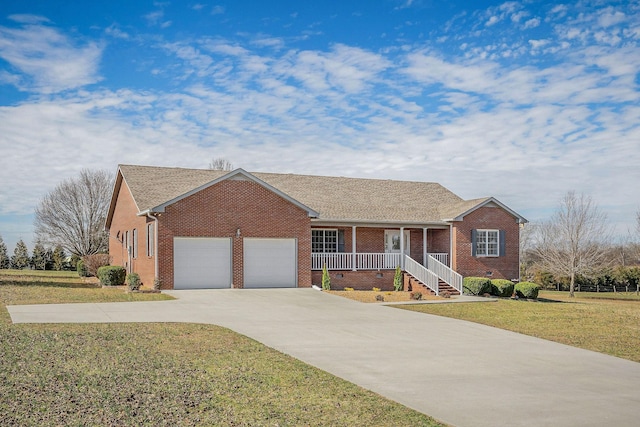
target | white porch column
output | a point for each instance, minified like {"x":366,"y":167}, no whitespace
{"x":424,"y":247}
{"x":353,"y":248}
{"x":402,"y":247}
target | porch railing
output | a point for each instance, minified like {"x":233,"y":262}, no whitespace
{"x":442,"y":257}
{"x":445,"y":273}
{"x":373,"y":261}
{"x":420,"y":272}
{"x":363,"y":261}
{"x":333,"y":261}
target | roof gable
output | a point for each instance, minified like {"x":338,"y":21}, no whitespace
{"x":237,"y":174}
{"x":458,"y":212}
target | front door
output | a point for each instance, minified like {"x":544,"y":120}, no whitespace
{"x":392,"y":242}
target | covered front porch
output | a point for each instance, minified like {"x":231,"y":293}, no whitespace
{"x":363,"y":257}
{"x":358,"y":248}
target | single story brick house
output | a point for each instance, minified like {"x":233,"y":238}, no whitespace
{"x":201,"y":228}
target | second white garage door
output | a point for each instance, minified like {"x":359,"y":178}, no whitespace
{"x":270,"y":263}
{"x":201,"y":263}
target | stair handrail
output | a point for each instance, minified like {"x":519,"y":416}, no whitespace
{"x":446,"y":274}
{"x":420,"y":272}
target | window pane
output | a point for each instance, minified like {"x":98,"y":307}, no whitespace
{"x":330,"y":241}
{"x":492,"y":243}
{"x":481,"y":243}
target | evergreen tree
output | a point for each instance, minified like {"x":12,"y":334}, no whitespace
{"x":20,"y":259}
{"x":58,"y":258}
{"x":38,"y":258}
{"x":4,"y":257}
{"x":48,"y":259}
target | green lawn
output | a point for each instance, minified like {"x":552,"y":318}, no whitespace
{"x":605,"y":325}
{"x":164,"y":374}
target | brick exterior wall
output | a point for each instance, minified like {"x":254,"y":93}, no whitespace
{"x":503,"y":267}
{"x":220,"y":210}
{"x":361,"y":280}
{"x":125,"y":219}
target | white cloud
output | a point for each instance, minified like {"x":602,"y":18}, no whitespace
{"x":47,"y":59}
{"x":531,"y":23}
{"x":610,"y":17}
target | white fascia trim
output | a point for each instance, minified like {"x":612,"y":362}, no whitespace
{"x":236,"y":172}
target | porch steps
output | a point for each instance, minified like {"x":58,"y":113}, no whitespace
{"x":415,"y":285}
{"x":444,"y":286}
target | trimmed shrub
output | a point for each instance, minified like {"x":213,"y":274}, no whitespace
{"x":527,"y":290}
{"x":112,"y":275}
{"x":133,"y":280}
{"x":81,"y":269}
{"x":476,"y":285}
{"x":397,"y":279}
{"x":326,"y":279}
{"x":502,"y":287}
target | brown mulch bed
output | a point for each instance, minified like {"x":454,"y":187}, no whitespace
{"x":389,"y":296}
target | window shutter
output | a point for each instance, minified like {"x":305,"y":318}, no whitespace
{"x":340,"y":240}
{"x":503,"y":243}
{"x":473,"y":242}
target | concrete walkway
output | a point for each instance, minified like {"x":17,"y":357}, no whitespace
{"x":461,"y":373}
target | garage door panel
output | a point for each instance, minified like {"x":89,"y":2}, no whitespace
{"x":270,"y":263}
{"x":202,"y":262}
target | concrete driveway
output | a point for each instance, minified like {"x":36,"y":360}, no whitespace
{"x":461,"y":373}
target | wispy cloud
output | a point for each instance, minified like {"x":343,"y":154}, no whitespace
{"x":44,"y":59}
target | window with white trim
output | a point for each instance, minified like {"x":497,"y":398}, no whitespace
{"x":150,"y":238}
{"x":487,"y":243}
{"x":324,"y":241}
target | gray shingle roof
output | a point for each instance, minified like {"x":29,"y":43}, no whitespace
{"x":334,"y":198}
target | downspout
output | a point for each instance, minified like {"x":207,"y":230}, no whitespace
{"x":155,"y":245}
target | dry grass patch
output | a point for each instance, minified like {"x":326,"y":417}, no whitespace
{"x":389,"y":296}
{"x":606,"y":326}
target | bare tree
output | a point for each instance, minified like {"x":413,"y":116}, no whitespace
{"x":220,"y":164}
{"x":575,"y":239}
{"x":74,"y":213}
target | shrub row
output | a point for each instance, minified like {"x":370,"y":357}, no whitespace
{"x":499,"y":287}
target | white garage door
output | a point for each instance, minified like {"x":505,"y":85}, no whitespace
{"x":270,"y":263}
{"x":201,"y":263}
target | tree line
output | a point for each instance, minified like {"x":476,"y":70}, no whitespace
{"x":40,"y":258}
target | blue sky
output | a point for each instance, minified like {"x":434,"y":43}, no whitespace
{"x":520,"y":100}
